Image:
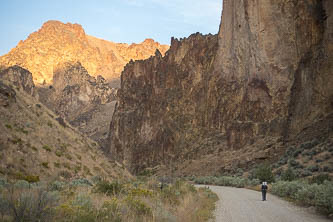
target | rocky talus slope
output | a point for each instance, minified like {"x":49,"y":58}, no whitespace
{"x":217,"y":103}
{"x":56,"y":42}
{"x":34,"y":141}
{"x":86,"y":102}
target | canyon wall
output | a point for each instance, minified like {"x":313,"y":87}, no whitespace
{"x":217,"y":102}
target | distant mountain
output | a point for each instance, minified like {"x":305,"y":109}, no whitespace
{"x":56,"y":42}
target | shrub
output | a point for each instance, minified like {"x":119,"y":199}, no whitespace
{"x":320,"y":179}
{"x":320,"y":196}
{"x":288,"y":175}
{"x":109,"y":188}
{"x":65,"y":174}
{"x":32,"y":178}
{"x":59,"y":153}
{"x":47,"y":148}
{"x":306,"y":173}
{"x":110,"y":209}
{"x":3,"y":182}
{"x":57,"y":164}
{"x":297,"y":152}
{"x":22,"y":184}
{"x":313,"y":168}
{"x":263,"y":172}
{"x":96,"y":179}
{"x":81,"y":182}
{"x":45,"y":165}
{"x":83,"y":201}
{"x":139,"y":207}
{"x":57,"y":186}
{"x":33,"y":204}
{"x":68,"y":156}
{"x":328,"y":169}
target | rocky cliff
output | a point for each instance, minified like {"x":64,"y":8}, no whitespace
{"x":83,"y":100}
{"x":216,"y":103}
{"x":57,"y":42}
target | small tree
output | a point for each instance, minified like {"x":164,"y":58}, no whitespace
{"x":264,"y":173}
{"x":288,"y":175}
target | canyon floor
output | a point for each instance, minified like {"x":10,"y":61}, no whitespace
{"x":238,"y":204}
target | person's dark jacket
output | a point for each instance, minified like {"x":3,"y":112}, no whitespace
{"x":264,"y":187}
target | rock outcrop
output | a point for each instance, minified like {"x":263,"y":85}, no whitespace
{"x":215,"y":103}
{"x":19,"y":77}
{"x":80,"y":98}
{"x":58,"y":42}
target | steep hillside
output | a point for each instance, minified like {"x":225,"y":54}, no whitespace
{"x":34,"y":141}
{"x":214,"y":104}
{"x":56,"y":42}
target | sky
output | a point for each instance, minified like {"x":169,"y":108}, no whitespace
{"x":127,"y":21}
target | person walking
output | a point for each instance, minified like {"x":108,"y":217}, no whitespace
{"x":264,"y":189}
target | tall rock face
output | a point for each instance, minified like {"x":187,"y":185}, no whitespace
{"x":81,"y":99}
{"x":57,"y":42}
{"x":215,"y":103}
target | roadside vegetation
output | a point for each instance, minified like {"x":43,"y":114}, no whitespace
{"x":97,"y":199}
{"x":316,"y":190}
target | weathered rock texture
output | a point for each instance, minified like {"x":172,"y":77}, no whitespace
{"x":214,"y":103}
{"x":81,"y":99}
{"x":58,"y":42}
{"x":19,"y":77}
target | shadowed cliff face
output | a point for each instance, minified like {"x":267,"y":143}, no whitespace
{"x":233,"y":99}
{"x":83,"y":100}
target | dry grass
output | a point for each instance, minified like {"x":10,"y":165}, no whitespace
{"x":80,"y":200}
{"x":32,"y":140}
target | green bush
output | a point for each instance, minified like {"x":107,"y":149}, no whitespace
{"x":45,"y":165}
{"x":313,"y":168}
{"x":288,"y":175}
{"x":47,"y":148}
{"x":109,"y":188}
{"x":59,"y":153}
{"x":320,"y":179}
{"x":263,"y":173}
{"x":318,"y":195}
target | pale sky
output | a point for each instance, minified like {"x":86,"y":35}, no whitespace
{"x":125,"y":21}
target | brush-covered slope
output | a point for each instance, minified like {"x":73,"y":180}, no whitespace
{"x":57,"y":42}
{"x":34,"y":141}
{"x":217,"y":103}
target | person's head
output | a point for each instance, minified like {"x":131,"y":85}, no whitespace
{"x":264,"y":183}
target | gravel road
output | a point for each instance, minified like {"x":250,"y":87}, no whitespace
{"x":243,"y":205}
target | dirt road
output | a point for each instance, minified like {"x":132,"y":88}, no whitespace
{"x":243,"y":205}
